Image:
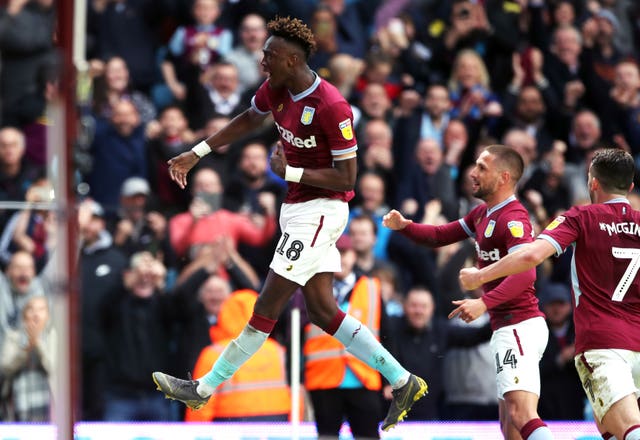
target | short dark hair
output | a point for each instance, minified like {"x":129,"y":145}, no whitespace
{"x":509,"y":158}
{"x":294,"y":31}
{"x":614,"y":168}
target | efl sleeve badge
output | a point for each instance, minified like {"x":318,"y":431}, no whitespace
{"x":345,"y":129}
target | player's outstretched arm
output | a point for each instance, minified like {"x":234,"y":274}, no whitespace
{"x":245,"y":122}
{"x":528,"y":256}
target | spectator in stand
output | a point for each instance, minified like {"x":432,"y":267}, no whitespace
{"x":114,"y":85}
{"x":343,"y":72}
{"x":101,"y":267}
{"x":532,"y":107}
{"x":17,"y":174}
{"x":126,"y":28}
{"x":599,"y":40}
{"x":218,"y":94}
{"x":353,"y":21}
{"x":251,"y":178}
{"x":194,"y":48}
{"x":561,"y":392}
{"x":548,"y":180}
{"x":421,"y":340}
{"x":374,"y":103}
{"x":427,"y":121}
{"x":28,"y":364}
{"x":219,"y":160}
{"x":371,"y":202}
{"x":472,"y":99}
{"x":546,"y":18}
{"x":246,"y":55}
{"x":586,"y":133}
{"x":525,"y":144}
{"x":378,"y":69}
{"x":259,"y":390}
{"x":565,"y":69}
{"x":18,"y":284}
{"x":206,"y":220}
{"x":624,"y":103}
{"x":170,"y":136}
{"x":323,"y":24}
{"x":377,"y":154}
{"x":34,"y":230}
{"x":119,"y":152}
{"x":139,"y":227}
{"x":362,"y":232}
{"x":27,"y":62}
{"x":137,"y":319}
{"x":429,"y":178}
{"x":244,"y":195}
{"x":455,"y":143}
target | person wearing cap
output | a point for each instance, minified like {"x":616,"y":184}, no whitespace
{"x":138,"y":227}
{"x":561,"y":392}
{"x":343,"y":387}
{"x":259,"y":390}
{"x":101,"y":267}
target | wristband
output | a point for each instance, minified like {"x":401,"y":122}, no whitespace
{"x":202,"y":149}
{"x":293,"y":174}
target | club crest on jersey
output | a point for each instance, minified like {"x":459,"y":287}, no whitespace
{"x":516,"y":228}
{"x":488,"y":232}
{"x":346,"y":130}
{"x":554,"y":224}
{"x":307,"y":115}
{"x":280,"y":107}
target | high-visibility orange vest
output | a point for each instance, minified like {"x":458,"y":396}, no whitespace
{"x":258,"y":388}
{"x":326,"y":358}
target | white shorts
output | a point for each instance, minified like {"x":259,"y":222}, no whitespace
{"x":309,"y":233}
{"x":608,"y":375}
{"x":517,"y":350}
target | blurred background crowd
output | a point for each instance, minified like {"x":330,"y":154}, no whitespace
{"x":430,"y":83}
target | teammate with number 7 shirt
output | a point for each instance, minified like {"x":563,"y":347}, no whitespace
{"x":605,"y":237}
{"x":499,"y":226}
{"x":316,"y":155}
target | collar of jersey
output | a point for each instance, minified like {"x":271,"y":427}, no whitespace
{"x":618,"y":200}
{"x":501,"y":204}
{"x":307,"y":92}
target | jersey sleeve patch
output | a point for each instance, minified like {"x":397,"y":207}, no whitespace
{"x":555,"y":223}
{"x":516,"y":228}
{"x":346,"y":129}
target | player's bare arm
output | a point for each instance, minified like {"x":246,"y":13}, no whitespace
{"x":528,"y":256}
{"x":245,"y":122}
{"x":341,"y":177}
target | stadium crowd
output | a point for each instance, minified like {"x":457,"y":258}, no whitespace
{"x":430,"y":82}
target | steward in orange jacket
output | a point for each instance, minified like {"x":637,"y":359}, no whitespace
{"x":326,"y":359}
{"x":259,"y":389}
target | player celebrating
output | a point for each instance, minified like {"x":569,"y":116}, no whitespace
{"x":606,"y":254}
{"x":499,"y":226}
{"x":317,"y":156}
